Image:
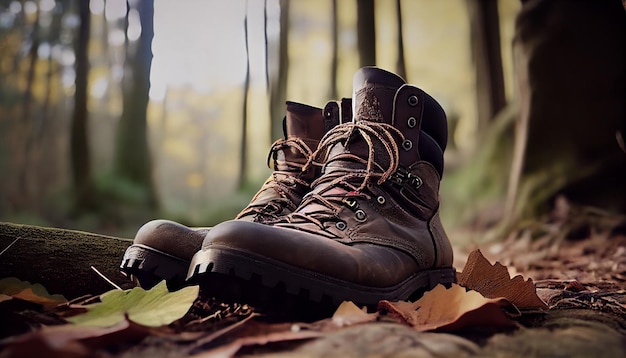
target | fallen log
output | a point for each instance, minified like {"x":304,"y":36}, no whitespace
{"x":62,"y":260}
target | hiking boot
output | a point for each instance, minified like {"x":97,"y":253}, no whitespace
{"x":162,"y":249}
{"x":368,"y":230}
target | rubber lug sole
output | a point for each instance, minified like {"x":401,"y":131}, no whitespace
{"x":151,"y":266}
{"x":233,"y":274}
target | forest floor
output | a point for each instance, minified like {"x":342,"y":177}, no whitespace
{"x":554,"y":287}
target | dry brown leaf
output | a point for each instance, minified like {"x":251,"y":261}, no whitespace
{"x":450,"y":310}
{"x":259,"y":333}
{"x":4,"y":297}
{"x":249,"y":332}
{"x":24,"y":290}
{"x":29,"y":295}
{"x":494,"y":281}
{"x":349,"y":314}
{"x":70,"y":340}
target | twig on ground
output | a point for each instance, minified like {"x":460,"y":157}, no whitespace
{"x":106,"y":279}
{"x":11,"y":244}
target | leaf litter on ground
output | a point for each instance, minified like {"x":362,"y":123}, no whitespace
{"x":486,"y":295}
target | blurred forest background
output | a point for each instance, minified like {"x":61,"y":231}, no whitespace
{"x":115,"y":112}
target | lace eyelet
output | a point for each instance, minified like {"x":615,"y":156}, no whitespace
{"x":340,"y":225}
{"x":413,"y":101}
{"x":381,"y":200}
{"x":411,"y":122}
{"x":351,"y":203}
{"x":360,"y":215}
{"x":407,"y":144}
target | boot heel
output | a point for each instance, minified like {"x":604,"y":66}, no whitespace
{"x":150,"y":266}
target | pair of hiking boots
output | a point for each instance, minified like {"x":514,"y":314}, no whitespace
{"x":350,"y":212}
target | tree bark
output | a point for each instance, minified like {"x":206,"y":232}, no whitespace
{"x":79,"y":142}
{"x":61,"y":259}
{"x":487,"y":56}
{"x":133,"y":161}
{"x":32,"y":63}
{"x":278,"y":85}
{"x":366,"y":32}
{"x":569,"y":58}
{"x":25,"y":183}
{"x":53,"y":36}
{"x":334,"y":61}
{"x":243,"y":161}
{"x":400,"y":63}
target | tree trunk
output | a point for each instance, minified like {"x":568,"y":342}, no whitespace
{"x":366,"y":32}
{"x":278,"y":85}
{"x":400,"y":64}
{"x":486,"y":53}
{"x":79,"y":143}
{"x":266,"y":53}
{"x":53,"y":36}
{"x":133,"y":161}
{"x":569,"y":59}
{"x":243,"y":161}
{"x":26,"y":189}
{"x":32,"y":63}
{"x":334,"y":62}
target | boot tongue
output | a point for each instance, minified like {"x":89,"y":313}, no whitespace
{"x":374,"y":90}
{"x":373,"y":94}
{"x":304,"y":122}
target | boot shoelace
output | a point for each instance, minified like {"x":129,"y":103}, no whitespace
{"x":343,"y":184}
{"x":285,"y":177}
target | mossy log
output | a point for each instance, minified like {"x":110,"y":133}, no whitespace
{"x":61,"y":260}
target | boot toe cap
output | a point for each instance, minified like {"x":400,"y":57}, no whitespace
{"x":357,"y":263}
{"x":171,"y":238}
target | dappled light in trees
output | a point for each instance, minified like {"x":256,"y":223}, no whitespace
{"x":195,"y":78}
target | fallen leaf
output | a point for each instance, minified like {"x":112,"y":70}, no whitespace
{"x":29,"y":295}
{"x":494,"y":281}
{"x":72,"y":341}
{"x":153,"y":308}
{"x":348,"y":314}
{"x":259,"y":333}
{"x":451,"y":309}
{"x":24,"y":290}
{"x":248,"y":332}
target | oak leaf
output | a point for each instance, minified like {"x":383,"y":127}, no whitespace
{"x":451,"y":309}
{"x":494,"y":281}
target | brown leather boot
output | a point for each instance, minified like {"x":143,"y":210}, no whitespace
{"x":162,"y":249}
{"x":368,"y":230}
